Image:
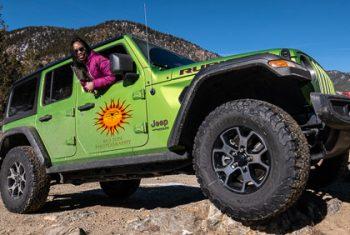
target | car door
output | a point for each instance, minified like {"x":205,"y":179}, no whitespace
{"x":114,"y":119}
{"x":55,"y":119}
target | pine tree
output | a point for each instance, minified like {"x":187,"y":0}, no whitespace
{"x":2,"y":32}
{"x":9,"y":67}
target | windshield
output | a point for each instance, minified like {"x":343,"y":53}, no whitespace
{"x":161,"y":57}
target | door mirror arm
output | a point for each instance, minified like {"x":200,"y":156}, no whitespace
{"x":130,"y":78}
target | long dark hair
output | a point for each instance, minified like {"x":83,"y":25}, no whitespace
{"x":88,"y":49}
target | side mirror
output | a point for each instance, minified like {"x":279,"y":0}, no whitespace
{"x":121,"y":64}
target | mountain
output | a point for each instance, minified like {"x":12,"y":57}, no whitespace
{"x":341,"y":80}
{"x":37,"y":46}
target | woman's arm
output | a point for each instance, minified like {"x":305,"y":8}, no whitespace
{"x":107,"y":77}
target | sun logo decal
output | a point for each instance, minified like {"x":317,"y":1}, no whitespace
{"x":112,"y":117}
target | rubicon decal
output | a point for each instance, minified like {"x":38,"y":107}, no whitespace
{"x":196,"y":69}
{"x":112,"y":117}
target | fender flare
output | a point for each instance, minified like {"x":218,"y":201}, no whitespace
{"x":259,"y":61}
{"x":34,"y":140}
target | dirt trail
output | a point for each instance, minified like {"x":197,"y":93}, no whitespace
{"x":172,"y":205}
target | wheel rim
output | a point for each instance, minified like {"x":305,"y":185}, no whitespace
{"x":241,"y":160}
{"x":16,"y":180}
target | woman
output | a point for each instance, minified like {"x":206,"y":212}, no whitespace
{"x":92,"y":69}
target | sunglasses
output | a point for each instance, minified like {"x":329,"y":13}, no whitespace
{"x":81,"y":49}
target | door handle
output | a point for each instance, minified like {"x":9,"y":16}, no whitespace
{"x":45,"y":118}
{"x":86,"y":106}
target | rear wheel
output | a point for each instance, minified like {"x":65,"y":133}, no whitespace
{"x":24,"y":184}
{"x":120,"y":189}
{"x":251,"y":159}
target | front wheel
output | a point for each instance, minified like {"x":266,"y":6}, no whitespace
{"x":251,"y":159}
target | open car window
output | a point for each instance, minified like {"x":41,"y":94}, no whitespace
{"x":120,"y":49}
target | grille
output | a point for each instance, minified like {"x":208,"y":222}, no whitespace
{"x":323,"y":80}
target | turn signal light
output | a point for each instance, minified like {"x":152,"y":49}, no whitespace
{"x":281,"y":63}
{"x":345,"y":93}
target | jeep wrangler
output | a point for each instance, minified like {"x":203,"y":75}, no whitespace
{"x":252,"y":127}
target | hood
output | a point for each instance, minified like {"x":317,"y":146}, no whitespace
{"x":192,"y":69}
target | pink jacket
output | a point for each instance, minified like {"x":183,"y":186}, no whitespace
{"x":99,"y":69}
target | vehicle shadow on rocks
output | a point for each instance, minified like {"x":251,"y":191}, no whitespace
{"x":145,"y":197}
{"x":309,"y":210}
{"x":312,"y":207}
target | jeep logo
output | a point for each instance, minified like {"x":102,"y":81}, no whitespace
{"x":158,"y":125}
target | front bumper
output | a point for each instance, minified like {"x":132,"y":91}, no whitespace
{"x":332,"y":110}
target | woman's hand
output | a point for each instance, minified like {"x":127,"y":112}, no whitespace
{"x":89,"y":86}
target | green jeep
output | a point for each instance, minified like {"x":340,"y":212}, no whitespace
{"x":250,"y":126}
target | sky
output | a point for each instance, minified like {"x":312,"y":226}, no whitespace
{"x":319,"y":28}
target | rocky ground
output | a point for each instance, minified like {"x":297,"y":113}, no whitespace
{"x":172,"y":205}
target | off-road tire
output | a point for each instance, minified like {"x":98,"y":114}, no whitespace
{"x":36,"y":187}
{"x":120,"y":189}
{"x":327,"y":171}
{"x":289,"y":153}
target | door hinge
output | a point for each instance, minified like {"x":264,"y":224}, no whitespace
{"x":71,"y":141}
{"x":70,"y":112}
{"x":139,"y":95}
{"x":142,"y":128}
